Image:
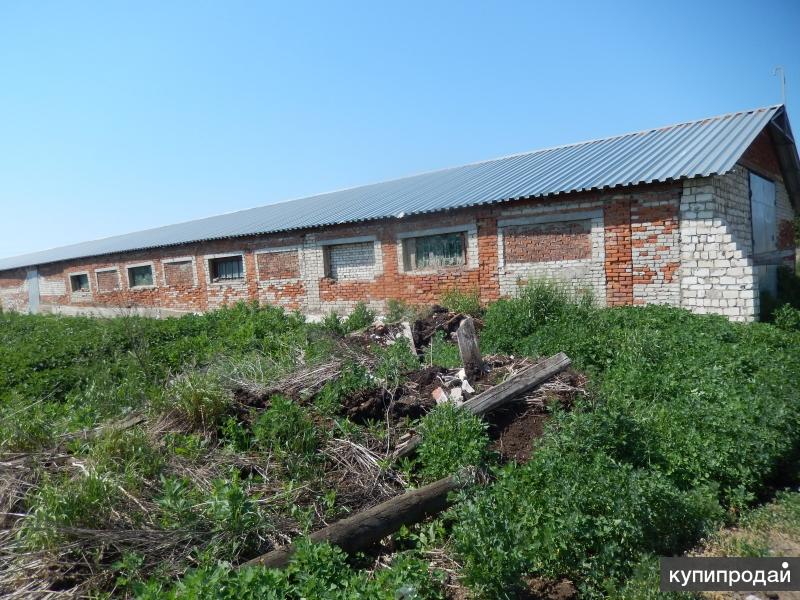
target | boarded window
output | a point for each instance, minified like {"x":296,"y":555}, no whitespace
{"x":544,"y":242}
{"x":179,"y":274}
{"x":351,"y":261}
{"x":79,"y":283}
{"x":107,"y":281}
{"x":229,"y":268}
{"x":280,"y":264}
{"x":434,"y":251}
{"x":140,"y":276}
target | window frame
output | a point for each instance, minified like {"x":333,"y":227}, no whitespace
{"x":129,"y":280}
{"x":407,"y":260}
{"x":75,"y":274}
{"x":411,"y":252}
{"x":377,"y":255}
{"x":209,"y":262}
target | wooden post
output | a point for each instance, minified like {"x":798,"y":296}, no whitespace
{"x":511,"y":388}
{"x":369,"y":527}
{"x":468,"y":347}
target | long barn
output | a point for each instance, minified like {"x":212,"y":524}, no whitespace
{"x":697,"y":215}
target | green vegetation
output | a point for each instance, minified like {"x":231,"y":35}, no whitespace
{"x":462,"y":301}
{"x":772,"y":529}
{"x":689,"y":417}
{"x":149,"y":458}
{"x":451,"y":439}
{"x":316,"y":571}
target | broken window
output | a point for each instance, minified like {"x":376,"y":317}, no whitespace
{"x":80,"y":282}
{"x":141,"y":276}
{"x":435,"y":251}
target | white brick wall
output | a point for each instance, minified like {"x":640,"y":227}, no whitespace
{"x":351,"y":261}
{"x":716,"y":245}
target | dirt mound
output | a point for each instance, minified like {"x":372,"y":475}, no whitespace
{"x":514,"y":429}
{"x":413,"y":400}
{"x":440,"y":319}
{"x":544,"y":589}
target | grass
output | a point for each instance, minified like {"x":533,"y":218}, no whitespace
{"x":689,"y":417}
{"x":687,"y":420}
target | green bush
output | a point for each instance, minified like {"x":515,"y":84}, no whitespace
{"x":451,"y":439}
{"x":360,"y":318}
{"x":788,"y":318}
{"x":394,"y":362}
{"x":689,"y":415}
{"x":462,"y":301}
{"x":509,"y":321}
{"x":315,"y":571}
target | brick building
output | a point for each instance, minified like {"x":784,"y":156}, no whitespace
{"x":696,"y":215}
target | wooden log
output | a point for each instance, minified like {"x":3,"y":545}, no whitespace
{"x":511,"y":388}
{"x":468,"y":348}
{"x":367,"y":528}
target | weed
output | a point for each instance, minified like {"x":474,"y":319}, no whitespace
{"x":394,"y":362}
{"x":199,"y":397}
{"x":442,"y":353}
{"x":286,"y":430}
{"x":177,"y":502}
{"x":451,"y":439}
{"x":467,"y":302}
{"x":787,"y":318}
{"x":234,"y":517}
{"x":315,"y":571}
{"x":128,"y":455}
{"x":84,"y":501}
{"x":359,"y":318}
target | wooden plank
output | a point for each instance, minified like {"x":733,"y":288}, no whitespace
{"x":367,"y":528}
{"x":511,"y":388}
{"x":468,"y":348}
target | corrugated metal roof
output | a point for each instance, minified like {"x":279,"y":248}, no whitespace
{"x":698,"y":148}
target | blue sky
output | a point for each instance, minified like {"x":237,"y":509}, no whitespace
{"x":117,"y":116}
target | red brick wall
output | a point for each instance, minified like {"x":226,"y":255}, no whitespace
{"x":107,"y":281}
{"x":284,"y":264}
{"x":179,"y":274}
{"x":761,"y":157}
{"x":279,"y":272}
{"x":547,"y":242}
{"x":619,"y":262}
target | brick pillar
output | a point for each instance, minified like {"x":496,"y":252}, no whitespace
{"x":489,"y":280}
{"x":618,"y":260}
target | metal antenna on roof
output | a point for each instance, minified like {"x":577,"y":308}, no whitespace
{"x":779,"y":70}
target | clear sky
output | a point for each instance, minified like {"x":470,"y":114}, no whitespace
{"x":118,"y":116}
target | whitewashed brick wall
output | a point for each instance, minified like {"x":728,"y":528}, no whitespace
{"x":352,"y":261}
{"x":716,"y":244}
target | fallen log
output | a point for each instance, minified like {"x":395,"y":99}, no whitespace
{"x":367,"y":528}
{"x":468,"y":348}
{"x":511,"y":388}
